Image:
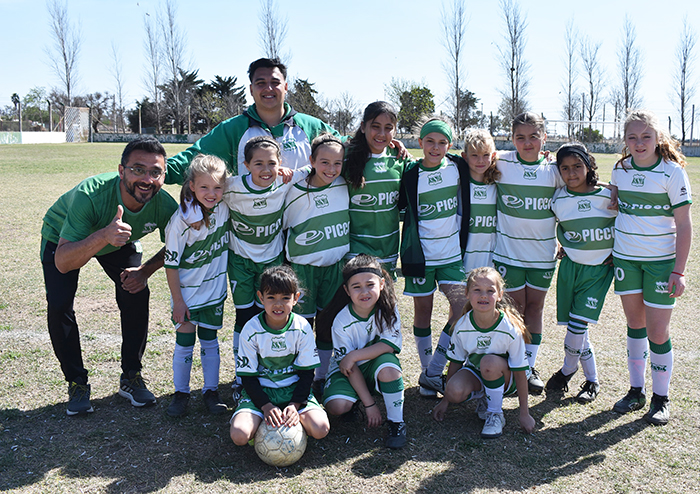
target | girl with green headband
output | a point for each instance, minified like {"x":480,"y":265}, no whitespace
{"x":434,"y":235}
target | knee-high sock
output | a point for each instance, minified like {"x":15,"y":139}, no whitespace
{"x":182,"y":361}
{"x":637,"y":353}
{"x":588,"y":360}
{"x":211,"y":361}
{"x":573,"y":343}
{"x":392,"y":392}
{"x":439,"y":359}
{"x":532,"y":348}
{"x":494,"y":394}
{"x":424,"y":345}
{"x":661,"y":358}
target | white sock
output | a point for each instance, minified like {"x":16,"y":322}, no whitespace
{"x":661,"y":358}
{"x":637,"y":353}
{"x":531,"y":353}
{"x":392,"y":392}
{"x":573,"y":342}
{"x":325,"y":358}
{"x":424,"y":345}
{"x":588,"y":360}
{"x":437,"y":363}
{"x":182,"y":365}
{"x":494,"y":395}
{"x":211,"y":360}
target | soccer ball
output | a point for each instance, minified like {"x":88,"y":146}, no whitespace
{"x":280,"y":446}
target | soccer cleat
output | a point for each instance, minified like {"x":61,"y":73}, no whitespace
{"x":78,"y":399}
{"x":436,"y":383}
{"x":317,"y":389}
{"x":237,"y":393}
{"x":633,"y":400}
{"x":134,"y":389}
{"x":659,"y":412}
{"x":427,"y":393}
{"x":482,"y":406}
{"x":178,"y":407}
{"x":397,"y":435}
{"x":559,"y":381}
{"x":588,"y":393}
{"x":213,"y":402}
{"x":494,"y":425}
{"x":534,"y":383}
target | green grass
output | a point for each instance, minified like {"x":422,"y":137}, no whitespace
{"x":122,"y":449}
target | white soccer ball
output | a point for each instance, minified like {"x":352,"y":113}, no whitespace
{"x":280,"y":446}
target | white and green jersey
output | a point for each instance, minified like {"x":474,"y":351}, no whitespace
{"x":438,"y":221}
{"x":351,"y":332}
{"x":200,"y":256}
{"x":374,"y":213}
{"x":256,"y":216}
{"x":317,"y":223}
{"x":275,"y":356}
{"x":586,"y":225}
{"x":525,"y":235}
{"x":645,"y":229}
{"x":482,"y":226}
{"x":469,"y":343}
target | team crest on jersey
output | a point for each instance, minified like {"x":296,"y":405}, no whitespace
{"x":638,"y":180}
{"x":513,"y":202}
{"x":289,"y":145}
{"x":380,"y":167}
{"x":309,"y":238}
{"x":149,"y":227}
{"x":435,"y":178}
{"x":241,"y":228}
{"x":584,"y":205}
{"x":480,"y":193}
{"x":530,"y":174}
{"x":278,"y":344}
{"x":170,"y":256}
{"x":592,"y":303}
{"x":483,"y":342}
{"x":573,"y":236}
{"x":661,"y":287}
{"x":260,"y":203}
{"x":366,"y":200}
{"x":321,"y":201}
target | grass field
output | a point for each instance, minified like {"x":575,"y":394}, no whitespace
{"x":122,"y":449}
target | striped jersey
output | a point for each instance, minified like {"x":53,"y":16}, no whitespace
{"x":438,"y":222}
{"x":374,"y":214}
{"x":585,"y":224}
{"x":469,"y":343}
{"x":200,"y":256}
{"x":351,"y":332}
{"x":525,"y":235}
{"x":275,"y":356}
{"x":256,"y":215}
{"x":317,"y":223}
{"x":482,"y":226}
{"x":645,"y":229}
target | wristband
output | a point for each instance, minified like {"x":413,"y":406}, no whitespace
{"x":370,"y":406}
{"x":679,"y":274}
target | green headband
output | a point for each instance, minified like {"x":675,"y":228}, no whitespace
{"x":436,"y":126}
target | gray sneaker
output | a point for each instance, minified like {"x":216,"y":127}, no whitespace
{"x":633,"y":400}
{"x":482,"y":406}
{"x":589,"y":392}
{"x":78,"y":399}
{"x":494,"y":425}
{"x":133,"y":388}
{"x":435,"y":383}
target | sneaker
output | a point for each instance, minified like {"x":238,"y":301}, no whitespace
{"x":427,"y":393}
{"x":178,"y":407}
{"x":494,"y":425}
{"x":78,"y":399}
{"x":436,"y":383}
{"x":134,"y":389}
{"x":658,"y":413}
{"x":559,"y":381}
{"x":633,"y":400}
{"x":482,"y":406}
{"x":317,"y":389}
{"x":397,"y":435}
{"x":237,"y":393}
{"x":588,"y":393}
{"x":534,"y":383}
{"x":213,"y":402}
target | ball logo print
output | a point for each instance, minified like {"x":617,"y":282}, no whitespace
{"x":573,"y":236}
{"x":364,"y":200}
{"x":309,"y":238}
{"x":513,"y":202}
{"x":242,"y":229}
{"x":280,"y":446}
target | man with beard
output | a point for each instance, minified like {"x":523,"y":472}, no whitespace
{"x":104,"y":217}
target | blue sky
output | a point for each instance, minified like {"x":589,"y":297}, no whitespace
{"x":354,"y":47}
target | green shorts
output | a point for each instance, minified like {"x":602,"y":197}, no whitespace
{"x":581,"y":291}
{"x":648,"y":278}
{"x":510,"y":387}
{"x":279,"y":397}
{"x":244,"y":276}
{"x":450,"y":274}
{"x":518,"y":278}
{"x":318,"y":286}
{"x":338,"y":385}
{"x":206,"y":317}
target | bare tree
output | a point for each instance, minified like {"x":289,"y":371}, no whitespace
{"x":593,"y":72}
{"x":119,"y":95}
{"x":394,"y":90}
{"x":512,"y":59}
{"x":343,"y":112}
{"x":152,"y":75}
{"x":64,"y":48}
{"x":173,"y":50}
{"x":570,"y":111}
{"x":629,"y":65}
{"x":454,"y":25}
{"x":273,"y":30}
{"x":683,"y":77}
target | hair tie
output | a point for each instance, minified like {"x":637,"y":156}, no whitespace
{"x":577,"y":151}
{"x":436,"y":126}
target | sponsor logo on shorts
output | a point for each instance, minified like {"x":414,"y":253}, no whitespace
{"x":584,"y":205}
{"x":638,"y":180}
{"x":661,"y":287}
{"x":530,"y":174}
{"x":480,"y":193}
{"x":548,"y":275}
{"x":435,"y":178}
{"x":149,"y":227}
{"x":483,"y":342}
{"x":219,"y":310}
{"x":592,"y":303}
{"x":260,"y":203}
{"x":513,"y":202}
{"x":278,"y":344}
{"x":321,"y":201}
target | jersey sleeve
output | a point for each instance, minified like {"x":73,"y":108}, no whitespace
{"x":456,"y":351}
{"x":82,"y":218}
{"x":307,"y":353}
{"x":342,"y":344}
{"x":392,"y":336}
{"x":247,"y":359}
{"x":679,"y":188}
{"x":517,"y":360}
{"x":175,"y":240}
